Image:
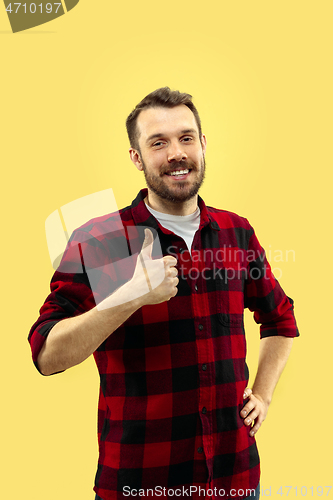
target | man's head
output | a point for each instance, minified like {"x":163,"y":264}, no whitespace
{"x":160,"y":98}
{"x":165,"y":136}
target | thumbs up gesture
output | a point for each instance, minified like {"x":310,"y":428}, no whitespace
{"x":154,"y":280}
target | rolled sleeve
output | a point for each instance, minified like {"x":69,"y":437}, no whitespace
{"x":264,"y":296}
{"x":71,"y":293}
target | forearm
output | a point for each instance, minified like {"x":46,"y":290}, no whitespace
{"x":72,"y":340}
{"x":273,"y":355}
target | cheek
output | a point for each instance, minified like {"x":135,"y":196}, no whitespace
{"x":155,"y":162}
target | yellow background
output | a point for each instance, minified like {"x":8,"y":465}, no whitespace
{"x":260,"y":72}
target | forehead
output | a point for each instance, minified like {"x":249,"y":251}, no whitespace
{"x":165,"y":121}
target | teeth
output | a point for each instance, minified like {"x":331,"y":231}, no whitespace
{"x":179,"y":172}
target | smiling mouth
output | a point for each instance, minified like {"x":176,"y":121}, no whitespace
{"x":178,"y":173}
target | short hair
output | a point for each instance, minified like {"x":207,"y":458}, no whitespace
{"x":162,"y":97}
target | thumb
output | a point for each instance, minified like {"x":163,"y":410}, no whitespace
{"x":147,"y":246}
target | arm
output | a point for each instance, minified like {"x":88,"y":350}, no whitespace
{"x":273,"y":356}
{"x":72,"y":340}
{"x":273,"y":310}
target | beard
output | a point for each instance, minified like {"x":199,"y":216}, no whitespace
{"x":184,"y":190}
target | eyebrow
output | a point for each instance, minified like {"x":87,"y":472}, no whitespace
{"x":158,"y":135}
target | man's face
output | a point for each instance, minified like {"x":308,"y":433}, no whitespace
{"x":171,"y":153}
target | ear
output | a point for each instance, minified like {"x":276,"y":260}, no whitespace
{"x":203,"y":143}
{"x":136,"y":158}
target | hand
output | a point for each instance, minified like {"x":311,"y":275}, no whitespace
{"x":154,"y":280}
{"x":255,"y":410}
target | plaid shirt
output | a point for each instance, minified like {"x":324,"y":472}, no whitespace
{"x":173,"y":374}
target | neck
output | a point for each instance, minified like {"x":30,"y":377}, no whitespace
{"x":168,"y":207}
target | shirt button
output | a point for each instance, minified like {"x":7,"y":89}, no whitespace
{"x":204,"y":367}
{"x":204,"y":410}
{"x":200,"y":450}
{"x":200,"y":327}
{"x":196,"y":288}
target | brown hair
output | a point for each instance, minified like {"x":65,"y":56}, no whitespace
{"x":165,"y":98}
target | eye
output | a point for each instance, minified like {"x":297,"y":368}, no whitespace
{"x":157,"y":144}
{"x":187,"y":139}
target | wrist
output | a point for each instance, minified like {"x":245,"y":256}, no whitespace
{"x":124,"y":298}
{"x":130,"y":290}
{"x":262,"y":396}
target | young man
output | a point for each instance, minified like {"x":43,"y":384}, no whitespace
{"x":165,"y":323}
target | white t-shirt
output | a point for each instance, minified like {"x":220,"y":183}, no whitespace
{"x":184,"y":226}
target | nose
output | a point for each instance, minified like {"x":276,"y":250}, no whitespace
{"x":176,"y":152}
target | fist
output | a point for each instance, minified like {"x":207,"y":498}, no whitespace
{"x":155,"y":280}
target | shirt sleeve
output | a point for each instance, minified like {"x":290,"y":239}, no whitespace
{"x":71,"y":291}
{"x":263,"y":295}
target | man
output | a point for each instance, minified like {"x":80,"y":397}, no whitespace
{"x":175,"y":414}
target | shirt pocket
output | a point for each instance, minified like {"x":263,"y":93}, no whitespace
{"x":229,"y":291}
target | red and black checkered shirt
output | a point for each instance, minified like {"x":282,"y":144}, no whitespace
{"x":173,"y":374}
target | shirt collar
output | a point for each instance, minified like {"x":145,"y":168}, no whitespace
{"x":142,"y":216}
